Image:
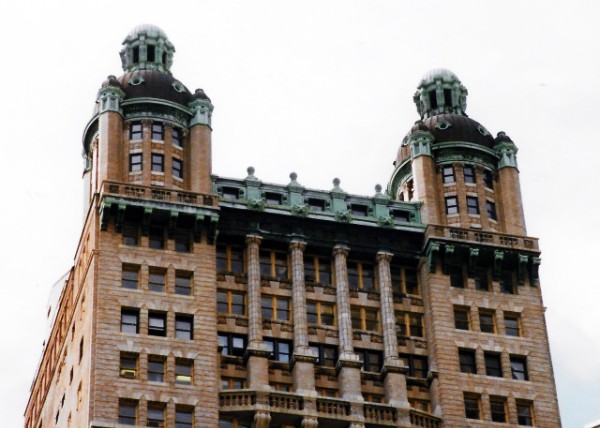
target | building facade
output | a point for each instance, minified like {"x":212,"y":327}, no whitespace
{"x":202,"y":301}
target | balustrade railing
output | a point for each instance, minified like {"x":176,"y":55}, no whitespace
{"x":332,"y":407}
{"x":285,"y":401}
{"x":379,"y":414}
{"x":159,"y":194}
{"x":237,"y":400}
{"x":493,"y":238}
{"x":424,"y":420}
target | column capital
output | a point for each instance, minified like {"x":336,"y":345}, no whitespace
{"x":341,"y":249}
{"x":383,"y":255}
{"x":253,"y":239}
{"x":297,"y":244}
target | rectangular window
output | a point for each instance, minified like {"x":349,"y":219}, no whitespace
{"x":272,"y":198}
{"x":130,"y":235}
{"x":183,"y":241}
{"x":400,"y":215}
{"x":405,"y":279}
{"x":525,"y":413}
{"x":177,"y":168}
{"x":276,"y":308}
{"x":130,"y":276}
{"x":317,"y":270}
{"x":409,"y":324}
{"x":273,"y":264}
{"x":280,"y":350}
{"x":364,"y":318}
{"x":472,"y":406}
{"x":135,"y":162}
{"x":467,"y":361}
{"x":230,"y":259}
{"x":130,"y":320}
{"x":372,"y":361}
{"x":488,"y":179}
{"x":498,"y":409}
{"x":183,"y":283}
{"x":135,"y":131}
{"x":491,"y":210}
{"x":462,"y":319}
{"x":448,"y":174}
{"x":232,"y":344}
{"x":359,"y":210}
{"x":316,"y":204}
{"x":493,"y":366}
{"x":451,"y":205}
{"x":156,"y":237}
{"x":423,"y":405}
{"x":472,"y":205}
{"x":184,"y":416}
{"x":157,"y":323}
{"x":128,"y":411}
{"x":481,"y":278}
{"x":231,"y":302}
{"x":232,"y":383}
{"x":230,"y":193}
{"x":156,"y":368}
{"x":320,"y":313}
{"x":361,"y":276}
{"x":128,"y":365}
{"x":417,"y":365}
{"x":512,"y":324}
{"x":176,"y":137}
{"x":184,"y":370}
{"x":158,"y":131}
{"x":507,"y":285}
{"x":457,"y":278}
{"x":184,"y":326}
{"x":156,"y":280}
{"x":158,"y":162}
{"x":469,"y":174}
{"x":156,"y":415}
{"x":326,"y":355}
{"x":487,"y":321}
{"x":518,"y":367}
{"x":150,"y":53}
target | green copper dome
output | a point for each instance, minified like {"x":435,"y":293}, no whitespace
{"x":440,"y":92}
{"x":147,"y":47}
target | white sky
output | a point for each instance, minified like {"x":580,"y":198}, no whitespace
{"x":322,"y":88}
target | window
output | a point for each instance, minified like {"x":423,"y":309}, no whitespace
{"x":128,"y":411}
{"x":518,"y":367}
{"x":472,"y":205}
{"x":183,"y":242}
{"x":150,"y":53}
{"x":135,"y":162}
{"x":156,"y":415}
{"x":231,"y":302}
{"x":135,"y":131}
{"x":469,"y":174}
{"x":156,"y":368}
{"x":276,"y":308}
{"x":448,"y":174}
{"x":462,"y":319}
{"x":472,"y":406}
{"x":156,"y":237}
{"x":277,"y":386}
{"x":400,"y":215}
{"x":525,"y":413}
{"x":158,"y":162}
{"x":156,"y":280}
{"x":417,"y":365}
{"x":326,"y":355}
{"x":184,"y":326}
{"x":409,"y":324}
{"x":457,"y":278}
{"x":491,"y":210}
{"x":405,"y":279}
{"x":183,"y":283}
{"x":373,"y":398}
{"x":184,"y":370}
{"x":157,"y":323}
{"x":272,"y":198}
{"x":507,"y":285}
{"x":481,"y":278}
{"x":129,"y":276}
{"x":361,"y":276}
{"x":372,"y":361}
{"x":130,"y":234}
{"x":234,"y":423}
{"x":232,"y":344}
{"x":451,"y":205}
{"x":184,"y":416}
{"x":364,"y":318}
{"x":230,"y":193}
{"x":467,"y":361}
{"x":130,"y":320}
{"x":230,"y":258}
{"x":158,"y":131}
{"x":232,"y":383}
{"x":493,"y":366}
{"x":176,"y":137}
{"x":317,"y":270}
{"x":320,"y":313}
{"x":423,"y":405}
{"x":512,"y":324}
{"x":498,"y":409}
{"x":273,"y":264}
{"x":359,"y":210}
{"x":488,"y":179}
{"x":433,"y":99}
{"x":316,"y":204}
{"x":177,"y":168}
{"x":128,"y":365}
{"x":487,"y":321}
{"x":328,"y":392}
{"x":447,"y":97}
{"x":136,"y":54}
{"x":280,"y":350}
{"x":81,"y":349}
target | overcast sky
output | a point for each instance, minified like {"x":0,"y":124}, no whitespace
{"x":322,"y":88}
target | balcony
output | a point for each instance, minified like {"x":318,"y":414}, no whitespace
{"x":522,"y":243}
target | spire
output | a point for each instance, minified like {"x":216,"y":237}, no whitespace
{"x":147,"y":47}
{"x":439,"y":92}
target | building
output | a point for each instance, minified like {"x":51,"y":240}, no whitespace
{"x":197,"y":300}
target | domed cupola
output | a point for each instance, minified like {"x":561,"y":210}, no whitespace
{"x":440,"y":91}
{"x":147,"y":47}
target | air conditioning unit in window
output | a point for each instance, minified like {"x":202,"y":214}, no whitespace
{"x":128,"y":373}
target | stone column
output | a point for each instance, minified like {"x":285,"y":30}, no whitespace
{"x":257,"y":354}
{"x":348,"y":365}
{"x":393,"y":368}
{"x":303,"y":363}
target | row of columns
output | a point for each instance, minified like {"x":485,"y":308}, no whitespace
{"x":348,"y":365}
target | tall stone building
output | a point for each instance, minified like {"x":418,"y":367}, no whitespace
{"x":202,"y":301}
